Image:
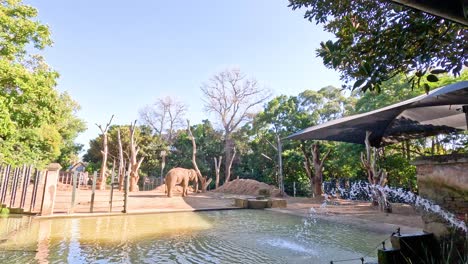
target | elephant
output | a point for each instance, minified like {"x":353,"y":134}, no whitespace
{"x":180,"y":176}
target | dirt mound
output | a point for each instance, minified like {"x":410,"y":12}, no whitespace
{"x":247,"y":187}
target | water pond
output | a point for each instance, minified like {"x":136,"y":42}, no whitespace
{"x":235,"y":236}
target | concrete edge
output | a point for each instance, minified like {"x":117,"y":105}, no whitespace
{"x":138,"y":212}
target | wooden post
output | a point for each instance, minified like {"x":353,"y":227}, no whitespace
{"x":126,"y":186}
{"x":112,"y":188}
{"x":74,"y":189}
{"x":50,"y":189}
{"x":6,"y":176}
{"x":37,"y":179}
{"x":14,"y":185}
{"x":25,"y":187}
{"x":93,"y":191}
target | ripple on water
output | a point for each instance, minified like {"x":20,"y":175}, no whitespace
{"x":244,"y":236}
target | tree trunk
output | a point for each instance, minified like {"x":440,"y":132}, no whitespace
{"x":318,"y":167}
{"x":308,"y":169}
{"x":376,"y":177}
{"x":217,"y":168}
{"x":134,"y":164}
{"x":103,"y":172}
{"x":104,"y":152}
{"x":228,"y":157}
{"x":121,"y":162}
{"x":204,"y":181}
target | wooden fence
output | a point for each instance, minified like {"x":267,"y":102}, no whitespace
{"x":21,"y":188}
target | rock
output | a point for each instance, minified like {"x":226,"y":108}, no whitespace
{"x":257,"y":204}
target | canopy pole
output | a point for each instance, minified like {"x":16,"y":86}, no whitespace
{"x":465,"y":110}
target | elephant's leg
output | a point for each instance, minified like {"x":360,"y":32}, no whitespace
{"x":169,"y":189}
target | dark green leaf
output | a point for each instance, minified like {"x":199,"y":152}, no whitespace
{"x":358,"y":83}
{"x":438,"y":71}
{"x":432,"y":78}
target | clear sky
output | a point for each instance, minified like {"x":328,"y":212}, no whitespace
{"x":115,"y":57}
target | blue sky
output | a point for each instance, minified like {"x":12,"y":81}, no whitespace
{"x":115,"y":57}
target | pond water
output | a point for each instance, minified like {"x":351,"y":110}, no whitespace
{"x":234,"y":236}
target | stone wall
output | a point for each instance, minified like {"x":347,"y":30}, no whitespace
{"x":443,"y":180}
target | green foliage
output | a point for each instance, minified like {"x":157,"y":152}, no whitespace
{"x":209,"y":145}
{"x":37,"y":124}
{"x":377,"y":40}
{"x":401,"y":172}
{"x":150,"y":147}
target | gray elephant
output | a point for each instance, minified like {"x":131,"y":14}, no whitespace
{"x":180,"y":176}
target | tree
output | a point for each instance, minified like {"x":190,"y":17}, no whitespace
{"x":377,"y":40}
{"x":232,"y":97}
{"x":209,"y":145}
{"x":37,"y":123}
{"x":133,"y":162}
{"x":323,"y":105}
{"x":150,"y":147}
{"x":165,"y":116}
{"x":204,"y":181}
{"x":104,"y":152}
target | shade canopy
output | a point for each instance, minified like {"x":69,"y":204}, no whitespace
{"x":441,"y":111}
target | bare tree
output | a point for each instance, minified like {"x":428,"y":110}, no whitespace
{"x":203,"y":180}
{"x":377,"y":177}
{"x":104,"y":152}
{"x":121,"y":170}
{"x":217,"y":163}
{"x":134,"y":164}
{"x":232,"y":97}
{"x":165,"y":116}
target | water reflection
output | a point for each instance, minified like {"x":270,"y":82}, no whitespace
{"x":245,"y":236}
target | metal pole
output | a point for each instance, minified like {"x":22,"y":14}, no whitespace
{"x":280,"y":165}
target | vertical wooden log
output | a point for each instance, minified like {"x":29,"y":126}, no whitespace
{"x":112,"y":188}
{"x":93,"y":191}
{"x":74,"y":190}
{"x":126,"y":189}
{"x":37,"y":179}
{"x":6,"y":176}
{"x":14,"y":185}
{"x":50,"y":189}
{"x":24,"y":189}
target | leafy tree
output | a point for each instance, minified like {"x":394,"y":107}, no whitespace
{"x":37,"y":124}
{"x":150,"y":147}
{"x":209,"y":145}
{"x":377,"y":40}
